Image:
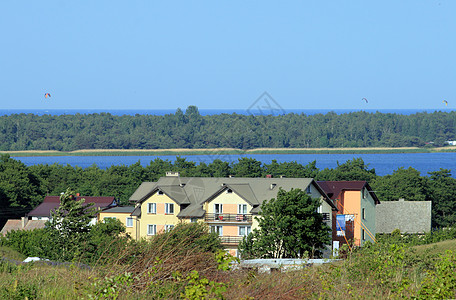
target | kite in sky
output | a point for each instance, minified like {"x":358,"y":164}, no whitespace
{"x":446,"y":102}
{"x":47,"y":95}
{"x":365,"y":100}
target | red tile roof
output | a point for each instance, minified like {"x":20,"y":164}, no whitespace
{"x":52,"y":202}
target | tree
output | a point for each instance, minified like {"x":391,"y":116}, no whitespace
{"x":69,"y":226}
{"x":442,"y":192}
{"x":289,"y":226}
{"x":403,"y":183}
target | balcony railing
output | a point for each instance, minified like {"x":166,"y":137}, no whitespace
{"x":231,"y":239}
{"x":239,"y":218}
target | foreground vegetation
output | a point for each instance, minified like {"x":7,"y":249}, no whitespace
{"x":174,"y":267}
{"x":190,"y":130}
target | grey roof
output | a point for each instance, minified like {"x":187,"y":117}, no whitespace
{"x":193,"y":192}
{"x":120,"y":209}
{"x":142,"y":191}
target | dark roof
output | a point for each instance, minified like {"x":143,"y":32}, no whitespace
{"x":52,"y":202}
{"x":334,"y":188}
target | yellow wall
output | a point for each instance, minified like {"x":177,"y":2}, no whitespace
{"x":119,"y":216}
{"x":160,"y":219}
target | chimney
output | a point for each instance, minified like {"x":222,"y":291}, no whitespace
{"x":231,"y":176}
{"x":269,"y":176}
{"x":282,"y":176}
{"x":24,"y":222}
{"x":77,"y":194}
{"x":401,"y":199}
{"x":172,"y":174}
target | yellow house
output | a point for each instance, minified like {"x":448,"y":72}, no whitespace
{"x":122,"y":213}
{"x":227,"y":205}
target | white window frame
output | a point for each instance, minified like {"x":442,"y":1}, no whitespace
{"x":308,"y":189}
{"x":242,"y":209}
{"x":169,"y":227}
{"x":169,"y":208}
{"x":128,"y":221}
{"x":246,"y":229}
{"x":217,"y":229}
{"x":151,"y":229}
{"x":151,"y":208}
{"x":219,"y":210}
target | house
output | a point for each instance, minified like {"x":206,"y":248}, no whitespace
{"x":356,"y":218}
{"x":21,"y":224}
{"x":122,"y":213}
{"x":42,"y":213}
{"x":227,"y":205}
{"x":407,"y":216}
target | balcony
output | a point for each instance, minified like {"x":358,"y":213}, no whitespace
{"x":231,"y":240}
{"x":233,"y":218}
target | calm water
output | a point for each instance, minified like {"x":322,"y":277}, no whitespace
{"x":384,"y":164}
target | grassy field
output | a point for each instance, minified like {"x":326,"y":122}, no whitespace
{"x":226,"y":151}
{"x":387,"y":271}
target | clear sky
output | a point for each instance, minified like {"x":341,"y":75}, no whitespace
{"x":225,"y":54}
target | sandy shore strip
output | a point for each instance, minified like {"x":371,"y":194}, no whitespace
{"x":226,"y":151}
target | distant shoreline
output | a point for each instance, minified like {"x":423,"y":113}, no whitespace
{"x":226,"y":151}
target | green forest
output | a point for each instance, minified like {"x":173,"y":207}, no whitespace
{"x":24,"y":187}
{"x":191,"y":130}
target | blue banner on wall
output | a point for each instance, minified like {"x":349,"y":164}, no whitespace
{"x":340,"y":225}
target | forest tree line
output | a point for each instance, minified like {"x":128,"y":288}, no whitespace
{"x":24,"y":187}
{"x":191,"y":130}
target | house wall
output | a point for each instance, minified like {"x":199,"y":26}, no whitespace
{"x":160,"y":219}
{"x":119,"y":216}
{"x":368,"y":203}
{"x":353,"y":202}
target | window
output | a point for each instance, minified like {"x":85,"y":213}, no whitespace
{"x":152,"y":208}
{"x":218,"y":208}
{"x":193,"y":220}
{"x":107,"y":218}
{"x":244,"y":230}
{"x":169,"y":227}
{"x":217,"y":229}
{"x":308,"y":191}
{"x":363,"y":234}
{"x":364,"y":213}
{"x":242,"y":209}
{"x":151,"y":229}
{"x":169,"y":208}
{"x":129,"y":222}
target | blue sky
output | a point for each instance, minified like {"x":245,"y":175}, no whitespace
{"x":225,"y":54}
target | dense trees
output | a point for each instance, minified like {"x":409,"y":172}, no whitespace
{"x":22,"y":187}
{"x":192,"y":130}
{"x":289,"y":226}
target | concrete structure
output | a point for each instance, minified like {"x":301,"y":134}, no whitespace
{"x":227,"y":205}
{"x":407,"y":216}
